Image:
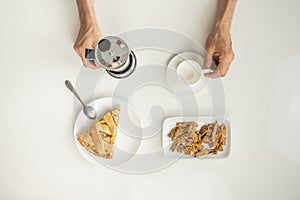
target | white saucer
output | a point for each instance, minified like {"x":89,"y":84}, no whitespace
{"x":186,"y":56}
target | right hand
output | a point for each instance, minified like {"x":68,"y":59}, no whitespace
{"x":88,"y":37}
{"x":220,"y":53}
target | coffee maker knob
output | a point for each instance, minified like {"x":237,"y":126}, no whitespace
{"x":104,"y":45}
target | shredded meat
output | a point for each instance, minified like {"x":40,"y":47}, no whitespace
{"x":186,"y":139}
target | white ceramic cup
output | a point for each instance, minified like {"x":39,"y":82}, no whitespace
{"x":189,"y":71}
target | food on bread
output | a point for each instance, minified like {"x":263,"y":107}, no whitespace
{"x":210,"y":139}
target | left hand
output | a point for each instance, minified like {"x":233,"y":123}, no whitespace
{"x":88,"y":37}
{"x":220,"y":53}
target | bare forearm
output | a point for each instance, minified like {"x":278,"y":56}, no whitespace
{"x":87,"y":12}
{"x":218,"y":44}
{"x":89,"y":33}
{"x":225,"y":9}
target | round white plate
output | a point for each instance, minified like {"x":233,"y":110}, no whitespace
{"x":185,"y":56}
{"x":129,"y":125}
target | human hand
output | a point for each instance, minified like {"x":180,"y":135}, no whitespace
{"x":220,"y":53}
{"x":88,"y":37}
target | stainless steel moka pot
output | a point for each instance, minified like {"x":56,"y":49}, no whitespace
{"x":114,"y":55}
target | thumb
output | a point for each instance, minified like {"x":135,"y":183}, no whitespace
{"x":208,"y":60}
{"x":96,"y":41}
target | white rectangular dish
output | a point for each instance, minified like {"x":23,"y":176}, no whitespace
{"x":170,"y":123}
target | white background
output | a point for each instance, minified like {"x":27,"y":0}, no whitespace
{"x":38,"y":157}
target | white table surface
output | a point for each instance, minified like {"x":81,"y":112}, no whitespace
{"x":38,"y":157}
